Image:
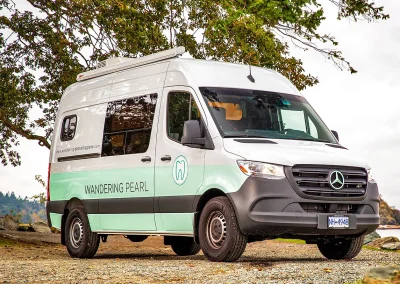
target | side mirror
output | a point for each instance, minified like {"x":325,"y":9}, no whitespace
{"x":335,"y":134}
{"x":192,"y":134}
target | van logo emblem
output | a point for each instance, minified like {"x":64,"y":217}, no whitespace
{"x":180,"y":170}
{"x":336,"y":180}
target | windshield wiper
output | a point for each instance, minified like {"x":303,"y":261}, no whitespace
{"x":245,"y":136}
{"x":311,"y":139}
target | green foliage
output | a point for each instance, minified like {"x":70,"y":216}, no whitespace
{"x":40,"y":198}
{"x":7,"y":242}
{"x":45,"y":44}
{"x":25,"y":210}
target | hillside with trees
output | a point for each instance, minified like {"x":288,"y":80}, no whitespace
{"x":389,"y":215}
{"x":25,"y":210}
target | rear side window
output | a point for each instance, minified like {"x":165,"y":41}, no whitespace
{"x":68,"y":127}
{"x":127,"y":126}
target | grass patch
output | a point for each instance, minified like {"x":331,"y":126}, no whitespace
{"x":378,"y":249}
{"x":6,"y":242}
{"x":293,"y":241}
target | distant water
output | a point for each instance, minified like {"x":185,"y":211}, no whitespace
{"x":389,"y":233}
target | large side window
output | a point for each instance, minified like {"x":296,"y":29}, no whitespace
{"x":68,"y":127}
{"x":128,"y":124}
{"x":181,"y":107}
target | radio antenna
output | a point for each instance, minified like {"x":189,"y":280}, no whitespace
{"x":250,"y":77}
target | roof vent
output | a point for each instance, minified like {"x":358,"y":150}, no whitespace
{"x":112,"y":61}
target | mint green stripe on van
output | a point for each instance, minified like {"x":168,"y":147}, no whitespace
{"x":94,"y":222}
{"x":182,"y":222}
{"x":72,"y":184}
{"x":124,"y":222}
{"x":56,"y":220}
{"x":200,"y":179}
{"x":226,"y":178}
{"x":116,"y":183}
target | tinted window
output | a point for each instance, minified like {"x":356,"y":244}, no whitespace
{"x":68,"y":128}
{"x":127,"y":126}
{"x":181,"y":107}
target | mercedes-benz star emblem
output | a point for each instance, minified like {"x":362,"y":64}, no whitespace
{"x":336,"y":180}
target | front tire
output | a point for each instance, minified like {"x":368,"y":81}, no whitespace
{"x":81,"y":242}
{"x":219,"y":233}
{"x":341,"y":248}
{"x":184,"y":246}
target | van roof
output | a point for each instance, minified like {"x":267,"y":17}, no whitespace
{"x":210,"y":73}
{"x":166,"y":70}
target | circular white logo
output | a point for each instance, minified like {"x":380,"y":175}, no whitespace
{"x":336,"y":179}
{"x":180,"y":170}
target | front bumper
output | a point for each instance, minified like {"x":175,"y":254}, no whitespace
{"x":272,"y":208}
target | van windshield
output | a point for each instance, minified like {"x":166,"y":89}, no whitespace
{"x":253,"y":113}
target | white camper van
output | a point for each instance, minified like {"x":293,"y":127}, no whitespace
{"x":210,"y":155}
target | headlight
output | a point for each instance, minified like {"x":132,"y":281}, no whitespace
{"x":263,"y":170}
{"x":371,"y":176}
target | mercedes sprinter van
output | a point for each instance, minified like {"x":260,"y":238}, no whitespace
{"x":210,"y":155}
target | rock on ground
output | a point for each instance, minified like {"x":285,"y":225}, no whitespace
{"x":40,"y":227}
{"x":382,"y":275}
{"x":392,"y":246}
{"x":371,"y":237}
{"x":378,"y":243}
{"x":8,"y":223}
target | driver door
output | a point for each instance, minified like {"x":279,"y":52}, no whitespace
{"x":179,"y":169}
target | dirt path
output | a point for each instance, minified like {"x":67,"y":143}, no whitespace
{"x":121,"y":261}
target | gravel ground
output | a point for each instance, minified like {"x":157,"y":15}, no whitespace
{"x":121,"y":261}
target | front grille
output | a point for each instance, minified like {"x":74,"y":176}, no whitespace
{"x":314,"y":181}
{"x":327,"y":208}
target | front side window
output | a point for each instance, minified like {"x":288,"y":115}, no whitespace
{"x":68,"y":128}
{"x":128,"y":124}
{"x":253,"y":113}
{"x":181,"y":107}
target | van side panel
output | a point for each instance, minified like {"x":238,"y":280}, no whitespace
{"x":132,"y":208}
{"x":70,"y":172}
{"x":105,"y":185}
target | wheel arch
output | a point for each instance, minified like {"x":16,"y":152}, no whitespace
{"x":71,"y":204}
{"x":201,"y":201}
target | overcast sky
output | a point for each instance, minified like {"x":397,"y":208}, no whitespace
{"x":362,"y":107}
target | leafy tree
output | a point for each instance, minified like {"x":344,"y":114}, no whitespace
{"x":45,"y":44}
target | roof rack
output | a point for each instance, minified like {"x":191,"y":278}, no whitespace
{"x":112,"y":65}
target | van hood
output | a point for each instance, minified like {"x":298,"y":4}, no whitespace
{"x":291,"y":152}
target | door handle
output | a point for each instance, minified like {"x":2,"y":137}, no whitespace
{"x":146,"y":159}
{"x":166,"y":158}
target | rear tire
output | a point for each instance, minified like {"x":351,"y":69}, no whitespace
{"x":341,"y":248}
{"x":184,"y":246}
{"x":219,"y":233}
{"x":81,"y":242}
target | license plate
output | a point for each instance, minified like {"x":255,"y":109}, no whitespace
{"x":338,"y":222}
